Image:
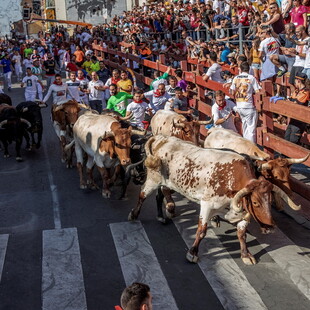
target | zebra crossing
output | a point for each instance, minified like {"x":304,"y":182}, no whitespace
{"x":63,"y":278}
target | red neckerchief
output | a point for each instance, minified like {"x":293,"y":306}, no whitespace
{"x":140,"y":101}
{"x":157,"y":93}
{"x":223,"y":106}
{"x":57,"y":83}
{"x":114,"y":81}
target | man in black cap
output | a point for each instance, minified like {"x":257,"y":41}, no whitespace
{"x":301,"y":95}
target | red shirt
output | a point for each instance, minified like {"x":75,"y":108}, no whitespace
{"x":72,"y":67}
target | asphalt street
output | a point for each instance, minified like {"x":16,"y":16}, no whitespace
{"x":66,"y":248}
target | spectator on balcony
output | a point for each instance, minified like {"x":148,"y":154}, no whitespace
{"x":275,"y":19}
{"x":214,"y":71}
{"x":301,"y":95}
{"x":170,"y":89}
{"x":285,"y":61}
{"x":299,"y":13}
{"x":268,"y":46}
{"x":300,"y":52}
{"x":243,"y":88}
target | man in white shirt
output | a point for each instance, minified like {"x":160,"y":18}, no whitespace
{"x":214,"y":72}
{"x":268,"y":46}
{"x":157,"y":98}
{"x":222,"y":111}
{"x":95,"y":89}
{"x":138,"y":108}
{"x":300,"y":52}
{"x":17,"y":61}
{"x":74,"y":88}
{"x":83,"y":86}
{"x":59,"y":91}
{"x":242,"y":88}
{"x":30,"y":81}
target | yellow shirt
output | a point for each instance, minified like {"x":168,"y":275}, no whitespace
{"x":86,"y":65}
{"x":123,"y":85}
{"x":254,"y":55}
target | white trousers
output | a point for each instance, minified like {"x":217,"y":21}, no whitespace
{"x":40,"y":91}
{"x":18,"y":71}
{"x":30,"y":95}
{"x":7,"y":78}
{"x":249,"y":122}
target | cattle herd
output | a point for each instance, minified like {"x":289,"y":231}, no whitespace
{"x":229,"y":176}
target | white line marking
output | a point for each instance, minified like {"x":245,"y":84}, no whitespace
{"x":62,"y":275}
{"x":225,"y":277}
{"x":288,"y":256}
{"x":53,"y":188}
{"x":139,"y":263}
{"x":3,"y":245}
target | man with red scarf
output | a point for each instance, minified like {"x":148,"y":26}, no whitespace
{"x":157,"y":98}
{"x":222,"y":111}
{"x":59,"y":91}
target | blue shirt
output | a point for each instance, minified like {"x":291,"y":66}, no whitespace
{"x":224,"y":55}
{"x":6,"y":65}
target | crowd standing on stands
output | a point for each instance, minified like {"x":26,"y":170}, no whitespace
{"x":255,"y":40}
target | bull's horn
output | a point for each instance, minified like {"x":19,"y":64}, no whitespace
{"x":60,"y":107}
{"x":285,"y":197}
{"x":138,"y":132}
{"x":205,"y":122}
{"x":25,"y":109}
{"x":237,"y":198}
{"x":125,"y":118}
{"x":178,"y":124}
{"x":264,"y":166}
{"x":26,"y":122}
{"x":83,"y":106}
{"x":297,"y":160}
{"x":3,"y":123}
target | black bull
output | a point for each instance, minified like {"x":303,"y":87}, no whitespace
{"x":12,"y":128}
{"x":32,"y":113}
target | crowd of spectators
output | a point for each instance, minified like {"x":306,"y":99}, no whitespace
{"x":271,"y":37}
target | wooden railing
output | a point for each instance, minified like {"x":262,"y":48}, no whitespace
{"x":269,"y":134}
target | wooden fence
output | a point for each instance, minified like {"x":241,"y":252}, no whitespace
{"x":269,"y":134}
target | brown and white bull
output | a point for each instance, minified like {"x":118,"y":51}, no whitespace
{"x":220,"y":138}
{"x":64,"y":117}
{"x":216,"y":180}
{"x":106,"y":144}
{"x":277,"y":171}
{"x":169,"y":123}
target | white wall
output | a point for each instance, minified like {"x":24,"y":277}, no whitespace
{"x":60,"y":9}
{"x":10,"y":11}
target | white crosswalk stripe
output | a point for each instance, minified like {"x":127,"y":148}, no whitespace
{"x":3,"y":246}
{"x":226,"y":278}
{"x":62,"y":283}
{"x":139,"y":262}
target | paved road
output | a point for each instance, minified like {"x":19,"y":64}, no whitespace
{"x":64,"y":248}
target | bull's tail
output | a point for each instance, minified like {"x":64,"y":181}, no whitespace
{"x":69,"y":146}
{"x":151,"y":162}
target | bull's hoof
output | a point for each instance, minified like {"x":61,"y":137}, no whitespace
{"x":131,"y":216}
{"x":19,"y":159}
{"x":191,"y":257}
{"x":83,"y":186}
{"x":69,"y":166}
{"x":6,"y":155}
{"x":161,"y":219}
{"x":170,"y":210}
{"x":215,"y":221}
{"x":249,"y":260}
{"x":106,"y":194}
